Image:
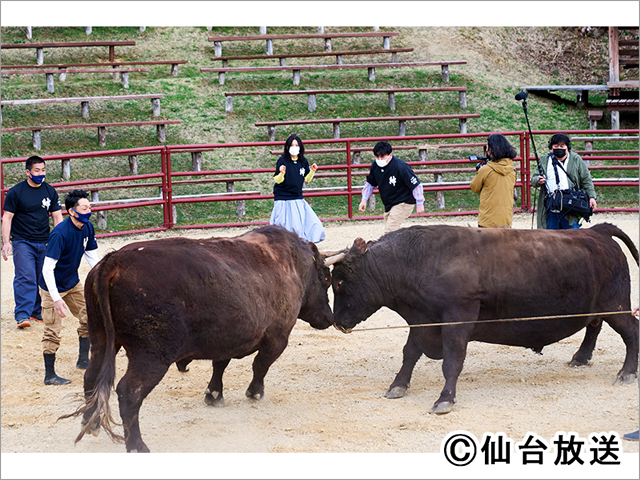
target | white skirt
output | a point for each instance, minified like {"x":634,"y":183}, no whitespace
{"x":297,"y":216}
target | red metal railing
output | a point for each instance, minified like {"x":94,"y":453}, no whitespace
{"x":166,"y":173}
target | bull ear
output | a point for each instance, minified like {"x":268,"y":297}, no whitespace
{"x":359,"y":246}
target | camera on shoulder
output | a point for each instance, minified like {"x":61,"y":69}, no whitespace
{"x":477,"y":158}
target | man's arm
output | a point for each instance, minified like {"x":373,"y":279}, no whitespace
{"x":7,"y":218}
{"x":57,"y":217}
{"x":92,"y":257}
{"x":48,"y":267}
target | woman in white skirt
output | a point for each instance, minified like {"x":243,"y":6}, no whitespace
{"x":290,"y":210}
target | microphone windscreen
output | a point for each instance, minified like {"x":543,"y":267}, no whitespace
{"x":521,"y":96}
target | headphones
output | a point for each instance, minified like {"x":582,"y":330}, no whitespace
{"x":567,"y":143}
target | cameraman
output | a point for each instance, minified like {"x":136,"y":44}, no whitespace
{"x":560,"y":147}
{"x":494,"y":182}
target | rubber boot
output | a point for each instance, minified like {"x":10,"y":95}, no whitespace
{"x":83,"y":356}
{"x":50,"y":377}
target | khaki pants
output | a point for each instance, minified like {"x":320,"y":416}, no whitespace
{"x":393,"y":218}
{"x":74,"y":298}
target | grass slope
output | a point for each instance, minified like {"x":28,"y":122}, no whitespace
{"x":499,"y":62}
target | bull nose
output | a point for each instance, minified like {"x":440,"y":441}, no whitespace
{"x":341,"y":328}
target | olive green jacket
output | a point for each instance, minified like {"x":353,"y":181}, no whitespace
{"x":578,"y":170}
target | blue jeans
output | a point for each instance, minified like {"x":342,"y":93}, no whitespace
{"x":28,"y":258}
{"x":556,"y":221}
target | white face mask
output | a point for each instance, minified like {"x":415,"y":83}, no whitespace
{"x":294,"y":150}
{"x":383,"y":163}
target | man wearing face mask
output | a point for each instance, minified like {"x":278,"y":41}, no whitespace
{"x":25,"y":230}
{"x":60,"y":285}
{"x":398,"y":185}
{"x":556,"y":165}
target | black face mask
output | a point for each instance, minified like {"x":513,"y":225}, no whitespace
{"x":559,"y":152}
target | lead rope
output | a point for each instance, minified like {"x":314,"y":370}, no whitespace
{"x":523,"y":319}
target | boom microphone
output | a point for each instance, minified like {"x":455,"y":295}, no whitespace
{"x":521,"y":96}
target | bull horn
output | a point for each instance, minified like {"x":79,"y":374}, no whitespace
{"x":334,"y":259}
{"x":329,"y":253}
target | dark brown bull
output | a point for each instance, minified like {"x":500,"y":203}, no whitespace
{"x":444,"y":274}
{"x":174,"y":300}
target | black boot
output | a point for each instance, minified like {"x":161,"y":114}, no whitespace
{"x":50,"y":377}
{"x":83,"y":356}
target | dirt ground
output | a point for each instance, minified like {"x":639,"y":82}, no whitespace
{"x":325,"y":393}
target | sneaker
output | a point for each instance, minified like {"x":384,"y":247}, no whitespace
{"x":37,"y":318}
{"x":23,"y":322}
{"x":632,"y":436}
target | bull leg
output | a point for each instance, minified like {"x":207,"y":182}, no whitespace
{"x":134,"y":387}
{"x":213,"y":393}
{"x":454,"y":350}
{"x":583,"y":355}
{"x":410,"y":355}
{"x":268,"y":353}
{"x":627,"y":327}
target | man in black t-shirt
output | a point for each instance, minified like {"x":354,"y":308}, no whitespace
{"x":26,"y":222}
{"x":398,"y":185}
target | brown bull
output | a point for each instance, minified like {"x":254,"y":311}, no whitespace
{"x":445,"y":274}
{"x":174,"y":300}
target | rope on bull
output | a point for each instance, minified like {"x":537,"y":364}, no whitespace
{"x":523,"y":319}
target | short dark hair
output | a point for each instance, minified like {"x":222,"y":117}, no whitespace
{"x":287,"y":146}
{"x":74,"y":197}
{"x":500,"y":147}
{"x":33,"y":160}
{"x":559,"y":139}
{"x":382,"y":148}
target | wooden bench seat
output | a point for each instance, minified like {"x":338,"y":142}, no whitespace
{"x":582,"y":91}
{"x":84,"y":101}
{"x":618,"y":104}
{"x":371,"y":67}
{"x":41,"y":46}
{"x":283,"y":56}
{"x":311,"y":94}
{"x":95,"y":190}
{"x":115,"y":64}
{"x":102,"y":132}
{"x":605,"y":152}
{"x":402,"y":120}
{"x":124,"y":74}
{"x":356,"y":151}
{"x":437,"y":183}
{"x":217,"y":41}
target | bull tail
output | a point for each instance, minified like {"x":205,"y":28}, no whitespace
{"x":614,"y":231}
{"x":96,"y":401}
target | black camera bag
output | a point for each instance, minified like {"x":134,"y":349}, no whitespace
{"x":570,"y":201}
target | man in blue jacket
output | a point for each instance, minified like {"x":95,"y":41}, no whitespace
{"x":60,"y":285}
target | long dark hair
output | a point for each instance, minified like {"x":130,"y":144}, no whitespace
{"x":288,"y":143}
{"x":500,"y":147}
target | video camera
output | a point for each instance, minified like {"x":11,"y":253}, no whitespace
{"x":481,"y":161}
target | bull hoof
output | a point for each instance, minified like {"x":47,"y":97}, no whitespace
{"x":625,"y":378}
{"x":395,"y":392}
{"x":214,"y":399}
{"x":254,"y":396}
{"x":442,"y":408}
{"x":578,"y":363}
{"x":140,"y":448}
{"x":95,"y":427}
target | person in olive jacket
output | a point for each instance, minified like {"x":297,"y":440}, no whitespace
{"x":560,"y":147}
{"x":494,"y":182}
